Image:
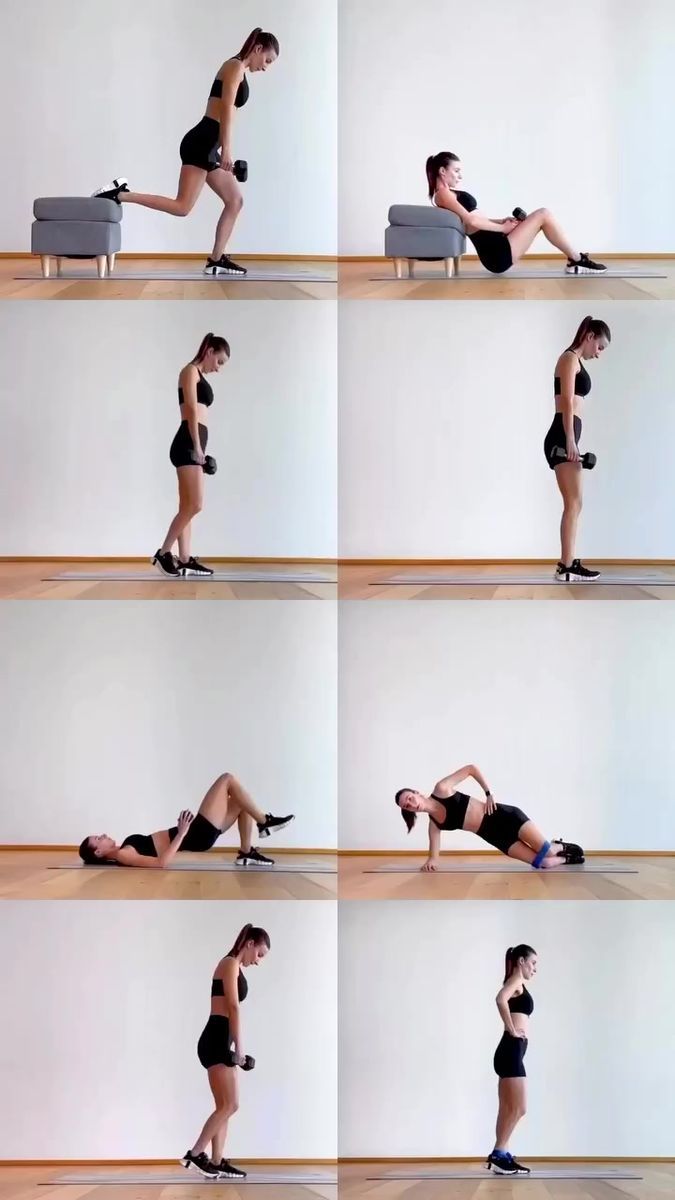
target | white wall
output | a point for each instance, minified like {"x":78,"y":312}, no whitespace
{"x":446,"y":460}
{"x":90,"y":407}
{"x":117,"y":716}
{"x":567,"y":709}
{"x":565,"y":106}
{"x":419,"y":1027}
{"x":97,"y":90}
{"x":103,"y":1016}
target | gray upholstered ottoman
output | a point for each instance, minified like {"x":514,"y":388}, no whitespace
{"x":76,"y":227}
{"x":420,"y":231}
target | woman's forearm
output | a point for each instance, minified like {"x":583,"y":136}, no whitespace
{"x":480,"y":780}
{"x":479,"y":222}
{"x":506,"y":1018}
{"x":172,"y":849}
{"x":226,"y":122}
{"x":434,"y":841}
{"x":568,"y":420}
{"x":193,"y":426}
{"x":235,"y":1031}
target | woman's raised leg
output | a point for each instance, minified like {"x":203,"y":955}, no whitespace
{"x":190,"y":183}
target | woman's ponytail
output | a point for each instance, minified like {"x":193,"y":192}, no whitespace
{"x":258,"y":38}
{"x":250,"y":933}
{"x":211,"y":342}
{"x":590,"y":325}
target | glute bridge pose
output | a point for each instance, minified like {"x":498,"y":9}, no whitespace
{"x":506,"y":828}
{"x":499,"y":241}
{"x":225,"y":803}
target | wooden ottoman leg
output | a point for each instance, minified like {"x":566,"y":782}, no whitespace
{"x":46,"y":265}
{"x":59,"y":264}
{"x":411,"y":268}
{"x":449,"y":266}
{"x":111,"y":263}
{"x":101,"y":265}
{"x":398,"y":267}
{"x":457,"y":261}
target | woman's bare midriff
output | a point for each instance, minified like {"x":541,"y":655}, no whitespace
{"x":474,"y":815}
{"x":521,"y":1023}
{"x":202,"y":410}
{"x":576,"y":405}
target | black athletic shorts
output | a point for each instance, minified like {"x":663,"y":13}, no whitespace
{"x":214,"y":1047}
{"x":201,"y":835}
{"x":493,"y":250}
{"x":509,"y":1055}
{"x":556,"y":437}
{"x":201,"y":145}
{"x":501,"y":828}
{"x":181,"y":446}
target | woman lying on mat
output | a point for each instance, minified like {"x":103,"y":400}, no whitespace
{"x":219,"y":1050}
{"x":499,"y":242}
{"x":561,"y":444}
{"x":188,"y":455}
{"x":515,"y":1006}
{"x":225,"y":802}
{"x":500,"y":825}
{"x":206,"y":152}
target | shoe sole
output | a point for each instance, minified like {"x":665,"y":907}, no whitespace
{"x":253,"y":863}
{"x":277,"y":828}
{"x":575,"y":579}
{"x":219,"y":271}
{"x":197,"y":574}
{"x":167,"y":574}
{"x":190,"y":1166}
{"x":586,"y":271}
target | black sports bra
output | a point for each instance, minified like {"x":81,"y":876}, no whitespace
{"x":217,"y":988}
{"x":466,"y":200}
{"x":142,"y":843}
{"x":243,"y":90}
{"x":582,"y":382}
{"x":455,"y":810}
{"x":522,"y":1003}
{"x":204,"y":392}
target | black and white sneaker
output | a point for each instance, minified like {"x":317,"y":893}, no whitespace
{"x":575,"y":573}
{"x":194,"y":567}
{"x":501,"y":1164}
{"x":273,"y":824}
{"x":573,"y":854}
{"x":168,"y":564}
{"x":224,"y":266}
{"x":112,"y":190}
{"x":520,"y":1169}
{"x":226,"y":1170}
{"x":584,"y":266}
{"x":200,"y":1162}
{"x":252,"y":858}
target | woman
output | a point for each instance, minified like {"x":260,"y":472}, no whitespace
{"x":499,"y":242}
{"x":220,"y":1051}
{"x":501,"y":825}
{"x":571,"y":384}
{"x":195,"y":396}
{"x":515,"y":1006}
{"x":206,"y":152}
{"x":225,"y":802}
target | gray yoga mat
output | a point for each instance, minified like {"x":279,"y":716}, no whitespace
{"x":217,"y":577}
{"x":522,"y":581}
{"x":283,"y":868}
{"x":519,"y":273}
{"x":179,"y":276}
{"x":582,"y":1172}
{"x":465,"y":868}
{"x":191,"y":1178}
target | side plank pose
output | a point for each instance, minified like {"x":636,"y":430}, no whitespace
{"x":561,"y":445}
{"x":187,"y":455}
{"x":500,"y":241}
{"x":225,"y":802}
{"x":515,"y":1006}
{"x":206,"y":152}
{"x":501,"y":825}
{"x":219,"y":1050}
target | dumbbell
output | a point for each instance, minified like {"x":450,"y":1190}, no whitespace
{"x":209,"y":465}
{"x":247,"y":1063}
{"x":587,"y":460}
{"x":519,"y":214}
{"x":240,"y":170}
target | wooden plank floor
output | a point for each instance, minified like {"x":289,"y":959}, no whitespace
{"x":27,"y":1183}
{"x":26,"y":581}
{"x":655,"y":881}
{"x":360,"y":583}
{"x":25,"y":875}
{"x":658,"y":1183}
{"x":355,"y":284}
{"x":160,"y":289}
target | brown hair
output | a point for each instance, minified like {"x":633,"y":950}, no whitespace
{"x":258,"y":38}
{"x":89,"y":856}
{"x":434,"y":164}
{"x":512,"y":955}
{"x":211,"y":342}
{"x":408,"y":817}
{"x":590,"y":325}
{"x":250,"y":933}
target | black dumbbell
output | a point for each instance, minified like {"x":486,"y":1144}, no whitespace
{"x":240,"y":170}
{"x":587,"y":460}
{"x":519,"y":214}
{"x":209,"y":465}
{"x":247,"y":1063}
